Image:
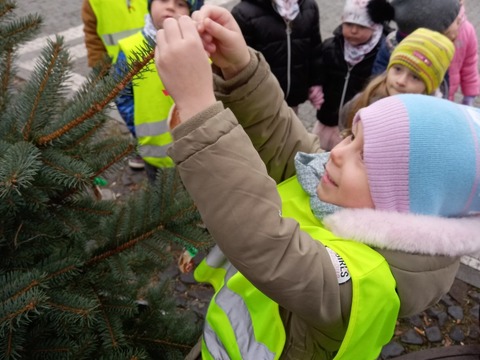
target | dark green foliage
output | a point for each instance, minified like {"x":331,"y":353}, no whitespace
{"x":80,"y":275}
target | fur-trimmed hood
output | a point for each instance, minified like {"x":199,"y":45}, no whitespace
{"x":421,"y":234}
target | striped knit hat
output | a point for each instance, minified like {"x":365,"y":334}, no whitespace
{"x":422,"y":155}
{"x":427,"y":53}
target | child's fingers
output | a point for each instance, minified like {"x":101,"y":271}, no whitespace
{"x":188,"y":28}
{"x":216,"y":30}
{"x":171,"y":30}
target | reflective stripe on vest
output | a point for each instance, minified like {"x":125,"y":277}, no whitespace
{"x":151,"y":107}
{"x":233,"y":305}
{"x":371,"y":323}
{"x":116,"y":22}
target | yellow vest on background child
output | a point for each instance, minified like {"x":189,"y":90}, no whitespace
{"x":116,"y":22}
{"x":152,"y":105}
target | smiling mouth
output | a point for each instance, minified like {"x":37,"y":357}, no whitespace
{"x":327,"y":179}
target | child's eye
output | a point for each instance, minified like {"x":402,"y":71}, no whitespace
{"x":352,"y":136}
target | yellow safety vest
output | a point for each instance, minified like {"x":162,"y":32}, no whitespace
{"x":242,"y":323}
{"x":151,"y":107}
{"x":118,"y":19}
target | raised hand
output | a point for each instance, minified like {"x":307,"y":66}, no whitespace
{"x":222,"y":39}
{"x":183,"y":66}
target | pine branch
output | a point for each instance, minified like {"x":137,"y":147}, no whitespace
{"x":98,"y":106}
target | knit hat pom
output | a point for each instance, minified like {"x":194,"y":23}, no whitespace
{"x":427,"y":54}
{"x":380,"y":11}
{"x":422,"y":155}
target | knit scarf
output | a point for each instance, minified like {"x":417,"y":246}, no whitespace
{"x":355,"y":54}
{"x":287,"y":9}
{"x":310,"y":169}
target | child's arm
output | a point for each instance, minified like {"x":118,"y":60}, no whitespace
{"x":273,"y":128}
{"x":95,"y":47}
{"x":238,"y":201}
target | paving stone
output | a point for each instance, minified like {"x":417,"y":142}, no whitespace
{"x":433,"y":334}
{"x":412,"y":337}
{"x":391,"y":350}
{"x":455,"y":312}
{"x":457,"y":334}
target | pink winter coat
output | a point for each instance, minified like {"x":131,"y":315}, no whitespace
{"x":463,"y":70}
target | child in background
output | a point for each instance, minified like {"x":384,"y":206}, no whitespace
{"x":287,"y":33}
{"x":346,"y":64}
{"x":417,"y":66}
{"x":463,"y":71}
{"x":144,"y":105}
{"x":106,"y":22}
{"x":291,"y":289}
{"x":409,"y":15}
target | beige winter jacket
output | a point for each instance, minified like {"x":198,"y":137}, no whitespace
{"x":234,"y":186}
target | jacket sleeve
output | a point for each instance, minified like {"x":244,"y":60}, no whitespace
{"x":316,"y":45}
{"x":469,"y":76}
{"x":274,"y":129}
{"x":95,"y":47}
{"x":381,"y":60}
{"x":124,"y":100}
{"x":240,"y":204}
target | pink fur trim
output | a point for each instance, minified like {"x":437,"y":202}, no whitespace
{"x":408,"y":232}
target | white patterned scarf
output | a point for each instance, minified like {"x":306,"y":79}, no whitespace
{"x":354,"y":54}
{"x":310,"y":169}
{"x":149,"y":29}
{"x":287,"y":9}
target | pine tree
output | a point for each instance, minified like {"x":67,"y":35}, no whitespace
{"x":78,"y":274}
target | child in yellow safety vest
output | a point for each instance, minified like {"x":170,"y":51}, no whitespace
{"x":144,"y":106}
{"x":105,"y":22}
{"x":317,"y":253}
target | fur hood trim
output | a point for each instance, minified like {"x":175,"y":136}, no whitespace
{"x":421,"y":234}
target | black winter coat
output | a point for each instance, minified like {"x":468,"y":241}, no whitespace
{"x":266,"y":31}
{"x":337,"y":74}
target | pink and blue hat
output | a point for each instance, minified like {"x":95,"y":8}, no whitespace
{"x":422,"y":155}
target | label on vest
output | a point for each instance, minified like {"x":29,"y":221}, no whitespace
{"x":340,"y":267}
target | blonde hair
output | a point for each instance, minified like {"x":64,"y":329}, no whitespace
{"x":375,"y":89}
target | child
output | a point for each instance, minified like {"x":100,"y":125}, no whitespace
{"x":287,"y":33}
{"x":346,"y":64}
{"x":417,"y":66}
{"x":409,"y":15}
{"x":291,"y":288}
{"x":106,"y":22}
{"x":144,"y":107}
{"x":463,"y":71}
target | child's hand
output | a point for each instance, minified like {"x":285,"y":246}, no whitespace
{"x":183,"y":66}
{"x":315,"y":95}
{"x":222,"y":39}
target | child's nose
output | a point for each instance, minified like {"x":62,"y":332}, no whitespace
{"x":402,"y":79}
{"x":337,"y":153}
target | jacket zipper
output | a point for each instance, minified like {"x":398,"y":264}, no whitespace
{"x":288,"y":31}
{"x":345,"y":85}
